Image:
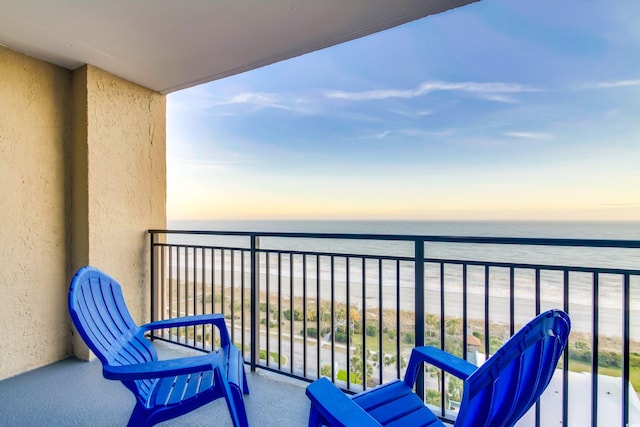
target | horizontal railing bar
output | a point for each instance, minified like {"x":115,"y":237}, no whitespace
{"x":524,"y":266}
{"x":263,"y":367}
{"x":528,"y":241}
{"x":178,"y":343}
{"x":298,"y":377}
{"x":338,"y":254}
{"x":554,"y":267}
{"x":287,"y":251}
{"x":198,"y":246}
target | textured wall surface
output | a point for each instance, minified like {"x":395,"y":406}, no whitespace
{"x":123,"y":148}
{"x":34,"y":134}
{"x":82,"y":177}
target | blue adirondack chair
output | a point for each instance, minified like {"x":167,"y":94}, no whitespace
{"x":163,"y":389}
{"x":496,"y":394}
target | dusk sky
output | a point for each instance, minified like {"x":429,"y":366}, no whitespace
{"x":502,"y":109}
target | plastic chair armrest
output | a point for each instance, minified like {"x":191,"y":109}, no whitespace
{"x":213,"y":319}
{"x":440,"y":359}
{"x":162,"y":368}
{"x":336,"y":408}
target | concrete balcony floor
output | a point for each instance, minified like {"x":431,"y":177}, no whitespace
{"x":74,"y":393}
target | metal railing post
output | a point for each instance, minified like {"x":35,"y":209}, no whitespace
{"x":255,"y":296}
{"x":419,"y":308}
{"x":153,"y":279}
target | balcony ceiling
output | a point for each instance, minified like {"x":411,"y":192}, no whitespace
{"x":167,"y":45}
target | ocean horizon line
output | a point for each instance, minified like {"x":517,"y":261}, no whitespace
{"x":594,"y":221}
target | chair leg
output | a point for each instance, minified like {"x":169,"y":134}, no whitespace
{"x":314,"y":417}
{"x":245,"y":384}
{"x":236,"y":409}
{"x":236,"y":394}
{"x":139,"y":416}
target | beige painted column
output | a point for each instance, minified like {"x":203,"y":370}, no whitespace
{"x":118,"y":181}
{"x":34,"y":148}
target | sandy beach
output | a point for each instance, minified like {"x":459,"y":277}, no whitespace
{"x":580,"y":308}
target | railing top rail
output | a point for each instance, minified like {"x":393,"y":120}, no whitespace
{"x":532,"y":241}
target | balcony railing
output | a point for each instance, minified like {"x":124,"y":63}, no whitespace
{"x":351,"y":307}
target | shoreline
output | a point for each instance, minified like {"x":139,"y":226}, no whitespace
{"x":609,"y":325}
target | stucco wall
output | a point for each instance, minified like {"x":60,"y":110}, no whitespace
{"x":119,"y":179}
{"x":34,"y":131}
{"x":82,"y":177}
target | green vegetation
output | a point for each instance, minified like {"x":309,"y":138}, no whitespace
{"x":409,"y":338}
{"x":390,"y":333}
{"x":433,"y":397}
{"x":297,"y":315}
{"x":274,"y":356}
{"x":609,"y":362}
{"x":371,"y":330}
{"x":263,"y":321}
{"x":325,"y":371}
{"x":367,"y":333}
{"x":342,"y":376}
{"x":454,"y":388}
{"x":340,"y":334}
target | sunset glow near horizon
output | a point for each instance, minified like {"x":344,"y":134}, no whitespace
{"x":526,"y":110}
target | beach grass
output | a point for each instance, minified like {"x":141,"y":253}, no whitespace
{"x":634,"y":374}
{"x":579,"y":346}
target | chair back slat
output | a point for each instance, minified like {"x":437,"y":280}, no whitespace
{"x":512,"y":380}
{"x":98,"y":311}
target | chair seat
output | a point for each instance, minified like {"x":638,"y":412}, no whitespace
{"x":395,"y":404}
{"x":182,"y":388}
{"x":190,"y":388}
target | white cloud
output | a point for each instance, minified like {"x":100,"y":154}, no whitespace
{"x":266,"y":100}
{"x":252,"y":98}
{"x":410,"y":133}
{"x":529,"y":135}
{"x":413,"y":114}
{"x":493,"y":90}
{"x":202,"y":100}
{"x":613,"y":84}
{"x":499,"y":98}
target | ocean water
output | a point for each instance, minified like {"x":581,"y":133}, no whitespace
{"x":581,"y":284}
{"x":566,"y":229}
{"x":629,"y":230}
{"x":598,"y":257}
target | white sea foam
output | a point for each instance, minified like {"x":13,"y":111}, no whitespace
{"x":580,"y":285}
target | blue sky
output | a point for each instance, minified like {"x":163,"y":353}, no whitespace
{"x":498,"y":110}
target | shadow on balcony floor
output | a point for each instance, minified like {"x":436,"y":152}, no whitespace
{"x":74,"y":393}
